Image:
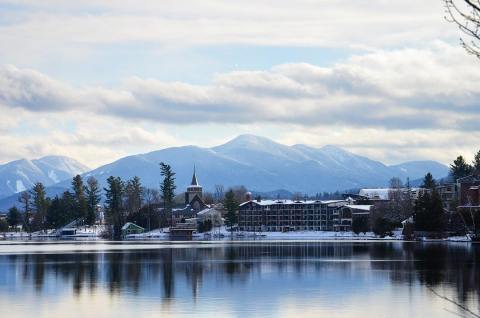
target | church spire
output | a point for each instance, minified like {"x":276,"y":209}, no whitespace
{"x":194,"y":178}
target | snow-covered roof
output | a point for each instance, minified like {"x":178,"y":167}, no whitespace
{"x":273,"y":202}
{"x":360,"y":207}
{"x":126,"y":225}
{"x":208,"y":211}
{"x":375,"y":193}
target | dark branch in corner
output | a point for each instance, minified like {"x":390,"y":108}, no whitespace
{"x":466,"y":15}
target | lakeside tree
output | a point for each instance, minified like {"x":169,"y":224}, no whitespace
{"x":360,"y":224}
{"x":92,"y":191}
{"x":14,"y":217}
{"x":134,"y":195}
{"x":460,"y":168}
{"x":24,"y":199}
{"x":61,"y":211}
{"x":466,"y":15}
{"x":80,"y":200}
{"x":151,"y":198}
{"x":40,"y":205}
{"x":231,"y":205}
{"x":476,"y":162}
{"x":429,"y":182}
{"x":429,"y":214}
{"x":400,"y":206}
{"x":167,"y":188}
{"x":114,"y":204}
{"x":3,"y":225}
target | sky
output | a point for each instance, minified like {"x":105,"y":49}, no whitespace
{"x":99,"y":80}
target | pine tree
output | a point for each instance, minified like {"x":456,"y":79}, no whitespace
{"x":14,"y":217}
{"x":58,"y":213}
{"x":460,"y":168}
{"x":24,"y":199}
{"x":114,"y":204}
{"x":40,"y":204}
{"x":429,"y":182}
{"x":429,"y":213}
{"x":134,"y":195}
{"x":80,"y":200}
{"x":476,"y":162}
{"x":92,"y":192}
{"x":231,"y":205}
{"x":167,"y":188}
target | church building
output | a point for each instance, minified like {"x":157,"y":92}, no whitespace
{"x":193,"y":196}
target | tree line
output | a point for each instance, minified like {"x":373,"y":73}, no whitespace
{"x":125,"y":201}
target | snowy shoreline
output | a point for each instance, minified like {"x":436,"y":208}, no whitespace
{"x":224,"y":235}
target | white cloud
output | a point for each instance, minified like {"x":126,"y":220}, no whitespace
{"x":46,"y":29}
{"x":400,"y":89}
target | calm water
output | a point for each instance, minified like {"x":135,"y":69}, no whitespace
{"x":249,"y":279}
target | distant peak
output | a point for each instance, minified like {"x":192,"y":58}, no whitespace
{"x":334,"y":149}
{"x":250,"y":138}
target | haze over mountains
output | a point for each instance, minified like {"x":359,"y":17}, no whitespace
{"x":256,"y":162}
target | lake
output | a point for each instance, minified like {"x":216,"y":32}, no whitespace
{"x":239,"y":279}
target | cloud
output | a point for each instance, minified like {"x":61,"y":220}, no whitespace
{"x":42,"y":34}
{"x":393,"y":89}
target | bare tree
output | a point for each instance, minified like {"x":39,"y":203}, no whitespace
{"x":466,"y":15}
{"x":219,"y":193}
{"x":208,"y":198}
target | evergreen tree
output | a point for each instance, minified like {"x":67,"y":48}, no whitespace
{"x":460,"y":168}
{"x":476,"y":162}
{"x":134,"y":195}
{"x":14,"y":217}
{"x":3,"y":225}
{"x":80,"y":200}
{"x":40,"y":204}
{"x":429,"y":182}
{"x":25,"y":199}
{"x":114,"y":204}
{"x":61,"y":211}
{"x":167,"y":188}
{"x":429,"y":213}
{"x":92,"y":192}
{"x":231,"y":205}
{"x":360,"y":224}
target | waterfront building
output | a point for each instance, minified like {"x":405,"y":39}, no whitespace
{"x":131,"y":228}
{"x":288,"y":215}
{"x":212,"y":214}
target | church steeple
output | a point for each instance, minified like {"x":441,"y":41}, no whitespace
{"x":194,"y":189}
{"x":194,"y":178}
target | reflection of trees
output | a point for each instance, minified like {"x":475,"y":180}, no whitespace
{"x":134,"y":270}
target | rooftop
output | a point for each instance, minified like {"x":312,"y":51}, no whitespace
{"x":299,"y":202}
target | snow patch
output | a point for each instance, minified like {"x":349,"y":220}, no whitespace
{"x":20,"y":186}
{"x":53,"y":176}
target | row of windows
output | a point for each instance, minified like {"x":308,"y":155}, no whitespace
{"x":290,"y":228}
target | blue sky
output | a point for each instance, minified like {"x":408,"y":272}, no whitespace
{"x":386,"y":79}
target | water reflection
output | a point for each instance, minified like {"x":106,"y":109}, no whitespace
{"x":271,"y":271}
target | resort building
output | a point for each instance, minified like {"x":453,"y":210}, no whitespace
{"x":288,"y":215}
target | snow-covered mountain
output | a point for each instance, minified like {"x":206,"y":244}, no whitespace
{"x":264,"y":165}
{"x":261,"y":165}
{"x":19,"y":175}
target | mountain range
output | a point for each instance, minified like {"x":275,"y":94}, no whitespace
{"x":19,"y":175}
{"x":256,"y":162}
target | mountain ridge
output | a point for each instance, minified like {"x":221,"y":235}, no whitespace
{"x":263,"y":165}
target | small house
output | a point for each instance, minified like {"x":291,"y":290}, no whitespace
{"x":131,"y":228}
